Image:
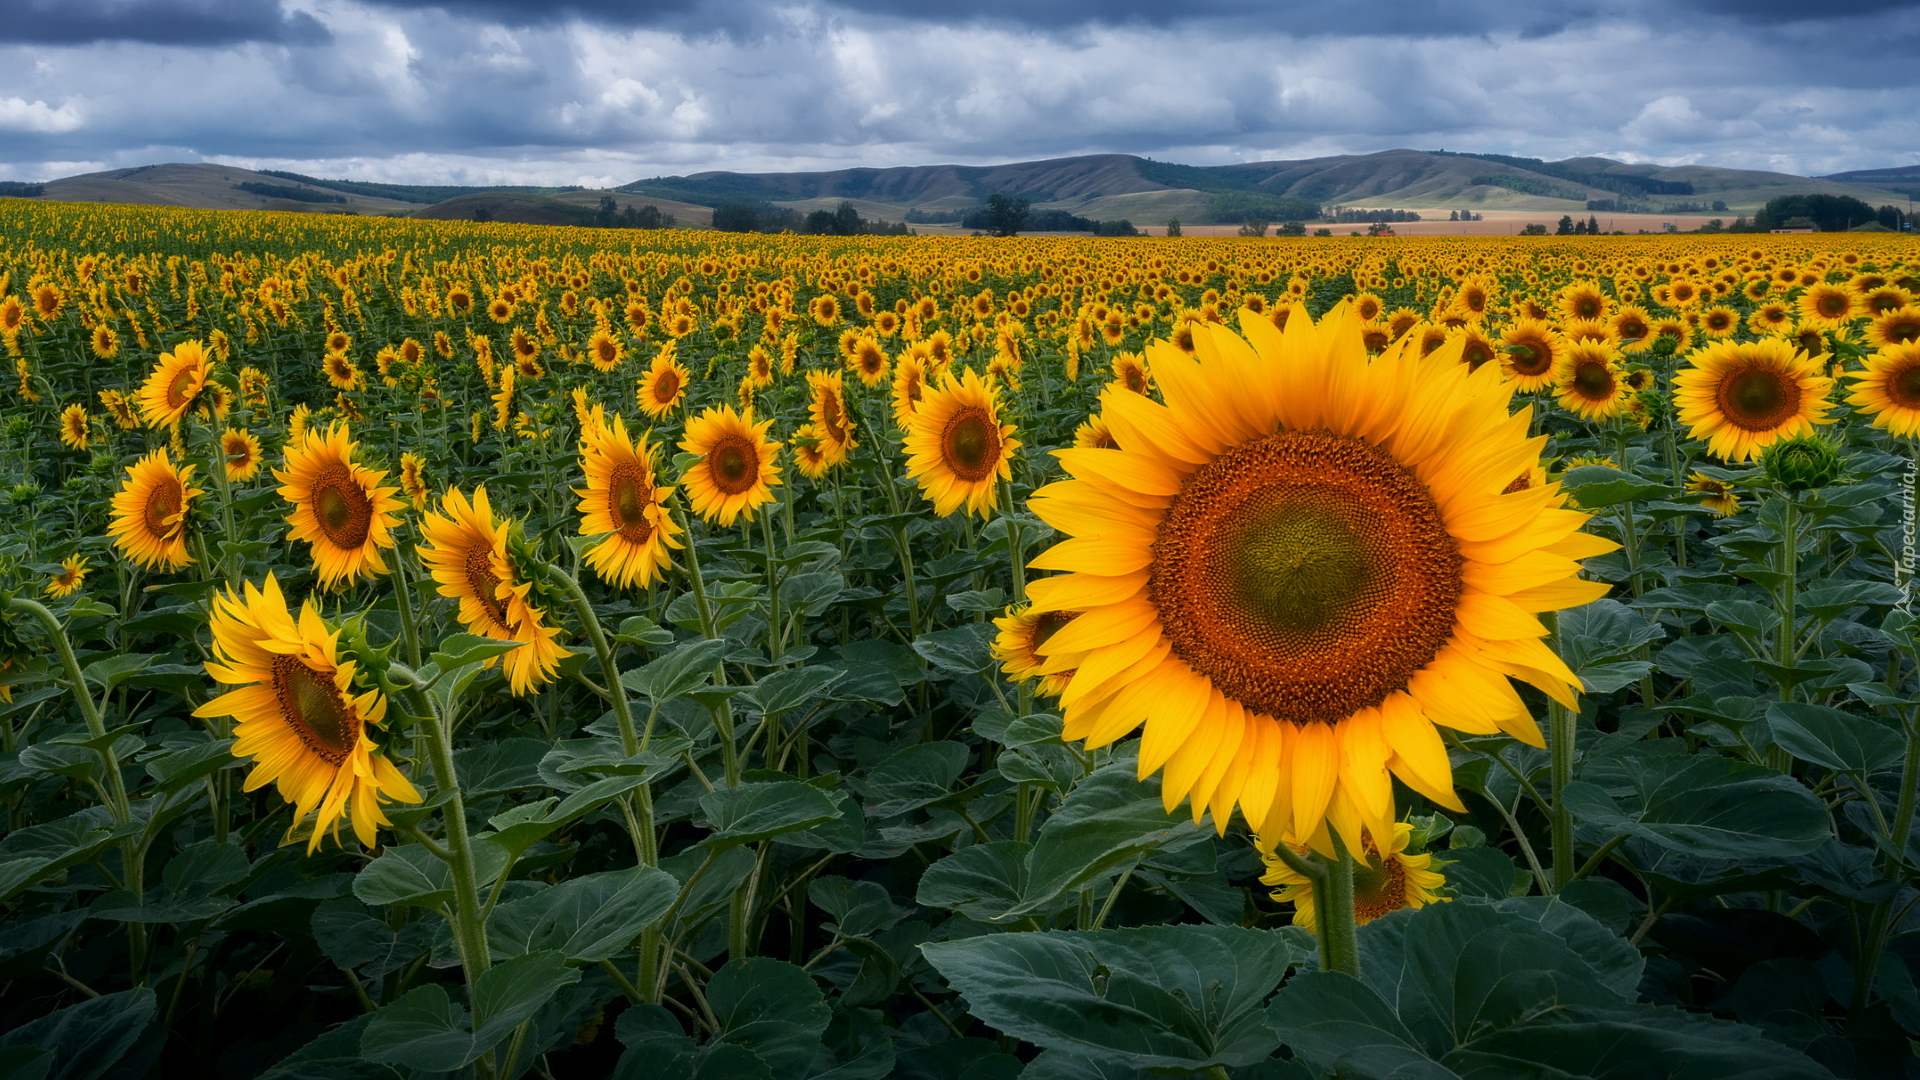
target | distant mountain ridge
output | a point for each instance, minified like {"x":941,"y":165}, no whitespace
{"x":1096,"y":186}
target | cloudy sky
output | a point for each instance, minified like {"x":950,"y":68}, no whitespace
{"x":601,"y":92}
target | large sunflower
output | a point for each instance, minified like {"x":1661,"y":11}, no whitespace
{"x":338,"y":507}
{"x":623,"y":499}
{"x":298,"y":715}
{"x":736,"y":471}
{"x":467,"y":555}
{"x":1889,"y":389}
{"x":1896,"y":326}
{"x":150,"y":513}
{"x":1740,"y":396}
{"x":174,"y":384}
{"x":957,"y":447}
{"x":1298,"y":565}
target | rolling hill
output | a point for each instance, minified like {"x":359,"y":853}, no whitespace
{"x":1098,"y":186}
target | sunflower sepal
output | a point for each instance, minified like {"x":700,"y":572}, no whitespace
{"x":370,"y":661}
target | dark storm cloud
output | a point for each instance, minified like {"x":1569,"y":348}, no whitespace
{"x":589,"y":91}
{"x":161,"y":22}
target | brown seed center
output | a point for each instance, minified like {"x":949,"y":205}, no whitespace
{"x":312,"y":706}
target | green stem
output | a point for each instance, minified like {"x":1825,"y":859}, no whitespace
{"x":776,"y":634}
{"x":1015,"y":549}
{"x":1563,"y":729}
{"x":1784,"y":599}
{"x":403,"y":598}
{"x":469,"y":929}
{"x":1333,"y":911}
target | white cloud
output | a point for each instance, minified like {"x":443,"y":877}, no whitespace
{"x":19,"y":114}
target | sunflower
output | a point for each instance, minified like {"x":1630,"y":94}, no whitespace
{"x":623,"y":498}
{"x":1589,"y":383}
{"x":340,"y":370}
{"x":73,"y":573}
{"x":241,"y":451}
{"x":1772,"y":317}
{"x":664,"y":384}
{"x":1740,"y":396}
{"x":338,"y":507}
{"x":1533,"y":349}
{"x":413,"y":470}
{"x":1583,"y":300}
{"x":1720,"y":321}
{"x":1297,"y":565}
{"x":909,"y":386}
{"x":1130,"y":372}
{"x":75,"y":426}
{"x":1475,"y":349}
{"x":1675,"y":330}
{"x":13,"y":316}
{"x":1716,"y":495}
{"x":868,"y":360}
{"x":106,"y":343}
{"x":1896,"y":326}
{"x":1016,"y":646}
{"x":1382,"y":885}
{"x":1827,"y":306}
{"x":175,"y":384}
{"x":150,"y":513}
{"x":467,"y":555}
{"x":1093,"y":434}
{"x":957,"y":446}
{"x":809,"y":455}
{"x":298,"y":715}
{"x":1889,"y":389}
{"x":827,"y":406}
{"x":737,"y":469}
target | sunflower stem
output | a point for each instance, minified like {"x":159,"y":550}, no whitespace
{"x":1563,"y":729}
{"x":469,"y":928}
{"x":776,"y":634}
{"x":1784,"y":643}
{"x":1334,"y":915}
{"x":1015,"y":552}
{"x":409,"y":630}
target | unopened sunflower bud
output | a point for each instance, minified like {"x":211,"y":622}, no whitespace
{"x":1802,"y":463}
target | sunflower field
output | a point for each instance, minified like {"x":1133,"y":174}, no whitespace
{"x":433,"y":649}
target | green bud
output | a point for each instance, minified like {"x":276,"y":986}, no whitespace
{"x":24,"y":494}
{"x":1801,"y":463}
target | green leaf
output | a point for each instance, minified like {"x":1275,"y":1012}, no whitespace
{"x":962,"y":650}
{"x":812,"y":593}
{"x":771,"y":1008}
{"x":687,"y":667}
{"x":982,"y":882}
{"x":89,"y":1038}
{"x":424,"y":1030}
{"x":754,"y":812}
{"x":784,"y":690}
{"x":913,"y":778}
{"x":1832,"y":599}
{"x":589,"y":919}
{"x":1707,"y":806}
{"x":1110,"y":819}
{"x":38,"y":852}
{"x":1843,"y":742}
{"x":858,"y":907}
{"x":1161,"y":997}
{"x":114,"y":670}
{"x":459,"y":650}
{"x":410,"y":874}
{"x":1602,"y":632}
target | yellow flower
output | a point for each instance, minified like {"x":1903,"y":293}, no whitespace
{"x":624,"y":499}
{"x":1589,"y":384}
{"x":1017,"y":646}
{"x":1718,"y":495}
{"x":339,"y":506}
{"x":74,"y":427}
{"x":298,"y":715}
{"x":1298,"y":565}
{"x":149,"y":523}
{"x":957,"y":447}
{"x":664,"y":384}
{"x":1889,"y":389}
{"x":467,"y":555}
{"x":73,"y":572}
{"x":1740,"y":396}
{"x":177,"y":379}
{"x":736,"y":471}
{"x":1382,"y":884}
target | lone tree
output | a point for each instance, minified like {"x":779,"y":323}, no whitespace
{"x":1173,"y":227}
{"x":1006,"y":216}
